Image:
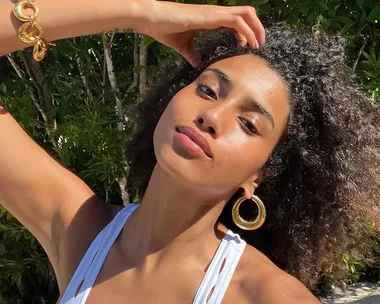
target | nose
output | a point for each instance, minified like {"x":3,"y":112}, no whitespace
{"x":210,"y":121}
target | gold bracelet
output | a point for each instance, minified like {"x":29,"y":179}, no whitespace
{"x":31,"y":31}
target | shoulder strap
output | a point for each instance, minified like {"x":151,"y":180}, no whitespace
{"x":219,"y":274}
{"x":91,"y":263}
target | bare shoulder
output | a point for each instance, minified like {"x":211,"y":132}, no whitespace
{"x":280,"y":287}
{"x":263,"y":282}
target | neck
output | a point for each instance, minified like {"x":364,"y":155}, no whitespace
{"x":172,"y":214}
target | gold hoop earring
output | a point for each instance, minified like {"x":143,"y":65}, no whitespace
{"x":249,"y":225}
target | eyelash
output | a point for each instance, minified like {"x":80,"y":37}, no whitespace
{"x":250,"y":128}
{"x":208,"y":88}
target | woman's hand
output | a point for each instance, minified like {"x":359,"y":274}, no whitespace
{"x":176,"y":24}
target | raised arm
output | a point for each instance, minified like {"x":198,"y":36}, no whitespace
{"x":33,"y":186}
{"x":173,"y":24}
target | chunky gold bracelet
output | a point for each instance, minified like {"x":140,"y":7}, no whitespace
{"x":31,"y":31}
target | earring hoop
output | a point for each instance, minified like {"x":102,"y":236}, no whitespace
{"x":249,"y":225}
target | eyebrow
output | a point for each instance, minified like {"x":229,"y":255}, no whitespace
{"x":222,"y":77}
{"x":226,"y":80}
{"x":259,"y":108}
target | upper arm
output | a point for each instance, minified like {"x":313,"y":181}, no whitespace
{"x":42,"y":194}
{"x":265,"y":283}
{"x":281,"y":287}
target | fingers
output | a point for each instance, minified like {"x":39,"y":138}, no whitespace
{"x":189,"y":53}
{"x":238,"y":24}
{"x":192,"y":56}
{"x":242,"y":20}
{"x":179,"y":30}
{"x":242,"y":41}
{"x":249,"y":15}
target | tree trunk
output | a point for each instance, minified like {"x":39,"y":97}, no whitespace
{"x":107,"y":45}
{"x":142,"y":62}
{"x":45,"y":97}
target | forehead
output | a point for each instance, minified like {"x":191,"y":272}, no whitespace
{"x":251,"y":71}
{"x":252,"y":77}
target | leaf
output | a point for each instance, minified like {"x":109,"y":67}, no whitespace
{"x":244,"y":2}
{"x":363,"y":20}
{"x":148,"y":40}
{"x":324,"y":6}
{"x":359,"y":3}
{"x":358,"y":264}
{"x":345,"y":20}
{"x":366,"y":65}
{"x":370,"y":3}
{"x":346,"y":257}
{"x":345,"y":29}
{"x":3,"y":88}
{"x":355,"y":276}
{"x":371,"y":57}
{"x":376,"y":246}
{"x":352,"y":269}
{"x":326,"y":24}
{"x":369,"y":74}
{"x":2,"y":249}
{"x":256,"y":3}
{"x":304,"y":7}
{"x":374,"y":16}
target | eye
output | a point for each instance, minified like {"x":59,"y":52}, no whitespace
{"x":248,"y":125}
{"x":207,"y":90}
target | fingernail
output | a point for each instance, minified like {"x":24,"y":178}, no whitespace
{"x":243,"y":43}
{"x":196,"y":64}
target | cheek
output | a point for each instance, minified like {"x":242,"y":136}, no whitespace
{"x":243,"y":155}
{"x":183,"y":105}
{"x":179,"y":110}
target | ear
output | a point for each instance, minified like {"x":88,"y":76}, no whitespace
{"x":252,"y":184}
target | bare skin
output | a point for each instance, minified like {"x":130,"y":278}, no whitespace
{"x":186,"y":193}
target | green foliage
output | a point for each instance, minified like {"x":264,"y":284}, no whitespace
{"x":83,"y":122}
{"x":376,"y":245}
{"x":354,"y":266}
{"x":25,"y":270}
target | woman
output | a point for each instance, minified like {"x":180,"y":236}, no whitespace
{"x":231,"y":127}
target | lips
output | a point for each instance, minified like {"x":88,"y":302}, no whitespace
{"x":197,"y":138}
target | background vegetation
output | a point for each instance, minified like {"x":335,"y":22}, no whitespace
{"x":78,"y":105}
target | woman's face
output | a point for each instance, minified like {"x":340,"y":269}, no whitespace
{"x":238,"y":107}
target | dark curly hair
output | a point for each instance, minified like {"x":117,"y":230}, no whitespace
{"x":322,"y":181}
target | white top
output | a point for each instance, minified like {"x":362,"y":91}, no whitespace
{"x":218,"y":275}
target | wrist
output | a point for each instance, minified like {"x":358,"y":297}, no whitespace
{"x":137,"y":16}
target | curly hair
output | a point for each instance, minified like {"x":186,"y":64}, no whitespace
{"x":322,"y":181}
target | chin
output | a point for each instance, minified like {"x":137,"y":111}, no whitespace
{"x":181,"y":166}
{"x":194,"y":174}
{"x":184,"y":170}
